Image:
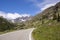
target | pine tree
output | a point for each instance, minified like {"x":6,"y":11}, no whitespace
{"x":58,"y":17}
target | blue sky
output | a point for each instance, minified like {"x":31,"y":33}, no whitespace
{"x":19,"y":6}
{"x":24,"y":7}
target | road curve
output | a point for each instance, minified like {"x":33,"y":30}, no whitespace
{"x":18,"y":35}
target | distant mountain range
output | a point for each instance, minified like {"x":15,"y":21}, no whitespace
{"x":22,"y":19}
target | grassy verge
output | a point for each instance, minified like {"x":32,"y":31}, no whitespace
{"x":46,"y":32}
{"x":7,"y":31}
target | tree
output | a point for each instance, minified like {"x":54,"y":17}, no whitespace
{"x":5,"y":25}
{"x":54,"y":13}
{"x":58,"y":17}
{"x":54,"y":16}
{"x":43,"y":19}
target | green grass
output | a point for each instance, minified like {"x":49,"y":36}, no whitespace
{"x":46,"y":32}
{"x":6,"y":31}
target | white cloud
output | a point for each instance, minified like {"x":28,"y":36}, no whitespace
{"x":2,"y":14}
{"x":12,"y":15}
{"x":44,"y":4}
{"x":47,"y":3}
{"x":26,"y":15}
{"x":47,"y":6}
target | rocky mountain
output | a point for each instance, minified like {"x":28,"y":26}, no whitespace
{"x":48,"y":13}
{"x":22,"y":19}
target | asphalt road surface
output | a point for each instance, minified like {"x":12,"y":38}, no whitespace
{"x":18,"y":35}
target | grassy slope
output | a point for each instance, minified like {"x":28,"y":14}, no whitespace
{"x":47,"y":33}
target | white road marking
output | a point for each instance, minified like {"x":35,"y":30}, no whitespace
{"x":30,"y":37}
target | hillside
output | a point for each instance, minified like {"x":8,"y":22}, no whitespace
{"x":5,"y":25}
{"x":48,"y":13}
{"x":47,"y":24}
{"x":45,"y":17}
